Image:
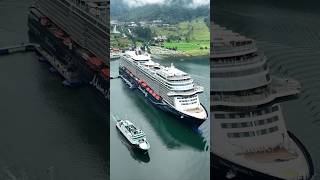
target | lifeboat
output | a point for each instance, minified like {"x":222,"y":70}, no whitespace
{"x":140,"y":81}
{"x":148,"y":89}
{"x":67,"y":41}
{"x":105,"y":72}
{"x":58,"y":33}
{"x":44,"y":21}
{"x":151,"y":91}
{"x":157,"y":97}
{"x":94,"y":63}
{"x":144,"y":85}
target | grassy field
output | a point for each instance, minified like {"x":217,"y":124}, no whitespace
{"x":189,"y":37}
{"x":193,"y":38}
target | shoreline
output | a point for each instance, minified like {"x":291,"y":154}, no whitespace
{"x":163,"y":52}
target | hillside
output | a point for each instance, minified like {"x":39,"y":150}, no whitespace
{"x":171,"y":14}
{"x":190,"y":37}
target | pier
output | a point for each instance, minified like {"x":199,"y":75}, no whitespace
{"x":23,"y":47}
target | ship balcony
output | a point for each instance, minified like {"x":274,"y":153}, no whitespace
{"x":276,"y":89}
{"x":178,"y":78}
{"x":195,"y":90}
{"x":237,"y":61}
{"x":228,"y":51}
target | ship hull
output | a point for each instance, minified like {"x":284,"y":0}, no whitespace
{"x":221,"y":166}
{"x":132,"y":82}
{"x":134,"y":148}
{"x":55,"y":47}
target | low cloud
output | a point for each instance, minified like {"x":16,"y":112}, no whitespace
{"x":187,"y":3}
{"x":197,"y":3}
{"x":137,"y":3}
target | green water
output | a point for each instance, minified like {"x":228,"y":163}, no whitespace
{"x":176,"y":151}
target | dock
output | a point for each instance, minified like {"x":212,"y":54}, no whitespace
{"x":23,"y":47}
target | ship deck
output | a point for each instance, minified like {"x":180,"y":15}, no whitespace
{"x":275,"y":155}
{"x":277,"y":88}
{"x":281,"y":163}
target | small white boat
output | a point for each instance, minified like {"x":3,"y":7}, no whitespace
{"x":134,"y":135}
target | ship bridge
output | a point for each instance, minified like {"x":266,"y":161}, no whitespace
{"x":227,"y":43}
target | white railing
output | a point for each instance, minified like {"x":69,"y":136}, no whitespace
{"x":236,"y":62}
{"x":277,"y":89}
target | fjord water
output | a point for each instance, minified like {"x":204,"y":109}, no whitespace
{"x":176,"y":151}
{"x":289,"y":34}
{"x":47,"y":131}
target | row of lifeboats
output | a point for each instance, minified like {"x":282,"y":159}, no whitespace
{"x":97,"y":64}
{"x":58,"y":33}
{"x":149,"y":90}
{"x":94,"y":63}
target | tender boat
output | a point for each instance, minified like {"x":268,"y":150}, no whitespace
{"x":133,"y":134}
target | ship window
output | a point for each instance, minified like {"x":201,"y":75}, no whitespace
{"x":267,"y":110}
{"x":259,"y":112}
{"x":236,"y":125}
{"x":219,"y":116}
{"x":266,"y":121}
{"x":268,"y":77}
{"x":273,"y":129}
{"x":275,"y":108}
{"x":241,"y":134}
{"x":232,"y":116}
{"x":262,"y":132}
{"x":266,"y":131}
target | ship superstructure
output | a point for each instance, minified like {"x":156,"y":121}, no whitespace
{"x":249,"y":135}
{"x":170,"y":88}
{"x":86,"y":22}
{"x":75,"y":34}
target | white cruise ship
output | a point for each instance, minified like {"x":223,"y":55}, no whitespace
{"x":166,"y":87}
{"x":249,"y":137}
{"x":134,"y":135}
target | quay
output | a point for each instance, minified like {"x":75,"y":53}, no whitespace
{"x":23,"y":47}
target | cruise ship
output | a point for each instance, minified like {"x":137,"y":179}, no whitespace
{"x":168,"y":88}
{"x":74,"y":38}
{"x":249,"y":137}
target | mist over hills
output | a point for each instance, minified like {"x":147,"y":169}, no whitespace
{"x":169,"y":11}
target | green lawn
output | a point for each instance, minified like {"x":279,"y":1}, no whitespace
{"x":191,"y":48}
{"x":194,"y":35}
